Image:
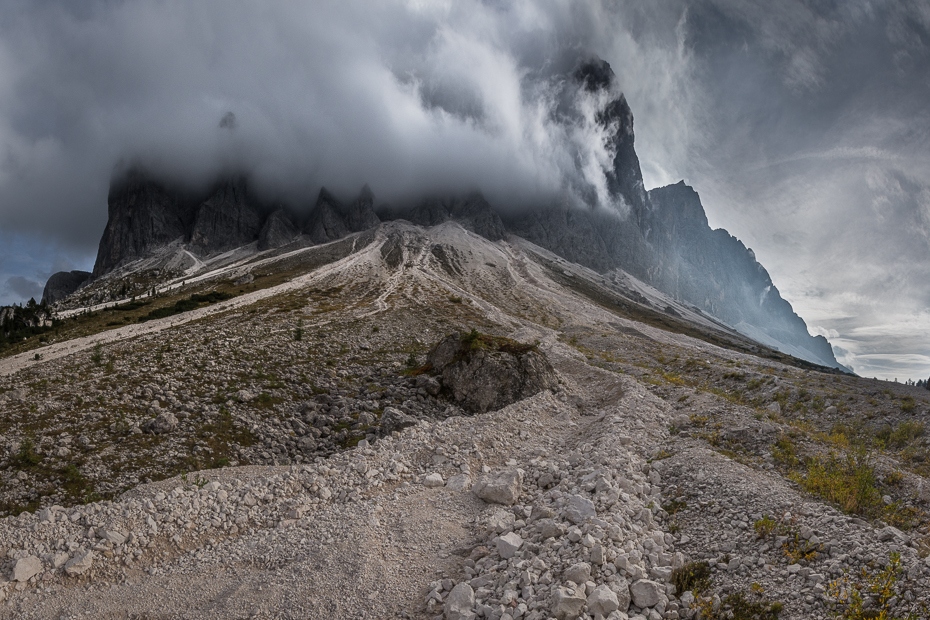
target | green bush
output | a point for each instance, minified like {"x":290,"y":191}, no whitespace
{"x":694,"y":576}
{"x":27,"y":456}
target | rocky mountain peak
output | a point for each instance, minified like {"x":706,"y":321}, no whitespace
{"x":595,"y":74}
{"x":143,"y":214}
{"x":228,"y":219}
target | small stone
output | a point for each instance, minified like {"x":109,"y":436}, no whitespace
{"x":548,"y":528}
{"x":891,"y":533}
{"x":27,"y":567}
{"x":578,"y":573}
{"x":567,"y":602}
{"x":501,"y":488}
{"x":395,"y":420}
{"x":602,"y":601}
{"x":80,"y":563}
{"x":163,"y":424}
{"x":579,"y":509}
{"x":433,"y":480}
{"x":645,"y":593}
{"x":508,"y":544}
{"x":460,"y":602}
{"x":112,"y":535}
{"x":687,"y":599}
{"x":458,"y":483}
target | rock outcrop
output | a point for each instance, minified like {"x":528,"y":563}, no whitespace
{"x":228,"y":219}
{"x":278,"y":230}
{"x":473,"y":212}
{"x":483,"y":372}
{"x":326,"y":222}
{"x":143,"y":215}
{"x":63,"y":284}
{"x":146,"y":215}
{"x":663,"y":238}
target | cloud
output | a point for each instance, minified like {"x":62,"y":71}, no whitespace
{"x":409,"y":97}
{"x":24,"y":287}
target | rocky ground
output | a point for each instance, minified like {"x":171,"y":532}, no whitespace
{"x":660,"y":476}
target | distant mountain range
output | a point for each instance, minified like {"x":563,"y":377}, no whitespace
{"x":661,"y":236}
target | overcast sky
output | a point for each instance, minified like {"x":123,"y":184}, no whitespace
{"x":804,"y":126}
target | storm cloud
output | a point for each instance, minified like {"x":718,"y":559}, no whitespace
{"x":803,"y":125}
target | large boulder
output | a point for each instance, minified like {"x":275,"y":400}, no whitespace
{"x":395,"y":420}
{"x":483,"y":373}
{"x":165,"y":423}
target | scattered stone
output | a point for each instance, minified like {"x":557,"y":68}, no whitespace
{"x":568,"y":601}
{"x":458,"y":483}
{"x":603,"y":601}
{"x":508,"y":545}
{"x":26,"y":568}
{"x":645,"y":593}
{"x":433,"y":480}
{"x":503,"y":487}
{"x":579,"y":509}
{"x":80,"y":563}
{"x":578,"y":573}
{"x":164,"y":423}
{"x":395,"y":420}
{"x":460,"y":602}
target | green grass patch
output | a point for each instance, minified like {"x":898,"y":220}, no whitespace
{"x":193,"y":302}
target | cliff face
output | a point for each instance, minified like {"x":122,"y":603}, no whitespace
{"x":143,"y":215}
{"x":146,"y":214}
{"x":663,"y":238}
{"x":228,"y":219}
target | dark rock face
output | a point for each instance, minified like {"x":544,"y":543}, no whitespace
{"x":361,"y":213}
{"x":278,"y":230}
{"x":473,"y":212}
{"x":146,"y":215}
{"x":483,"y":373}
{"x":326,"y":222}
{"x":662,"y":237}
{"x":228,"y":219}
{"x":63,"y":284}
{"x":143,"y":216}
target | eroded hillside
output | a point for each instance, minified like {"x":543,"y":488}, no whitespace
{"x":280,"y":450}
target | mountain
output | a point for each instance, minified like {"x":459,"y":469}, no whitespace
{"x":62,"y":284}
{"x":660,"y":237}
{"x":417,"y":421}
